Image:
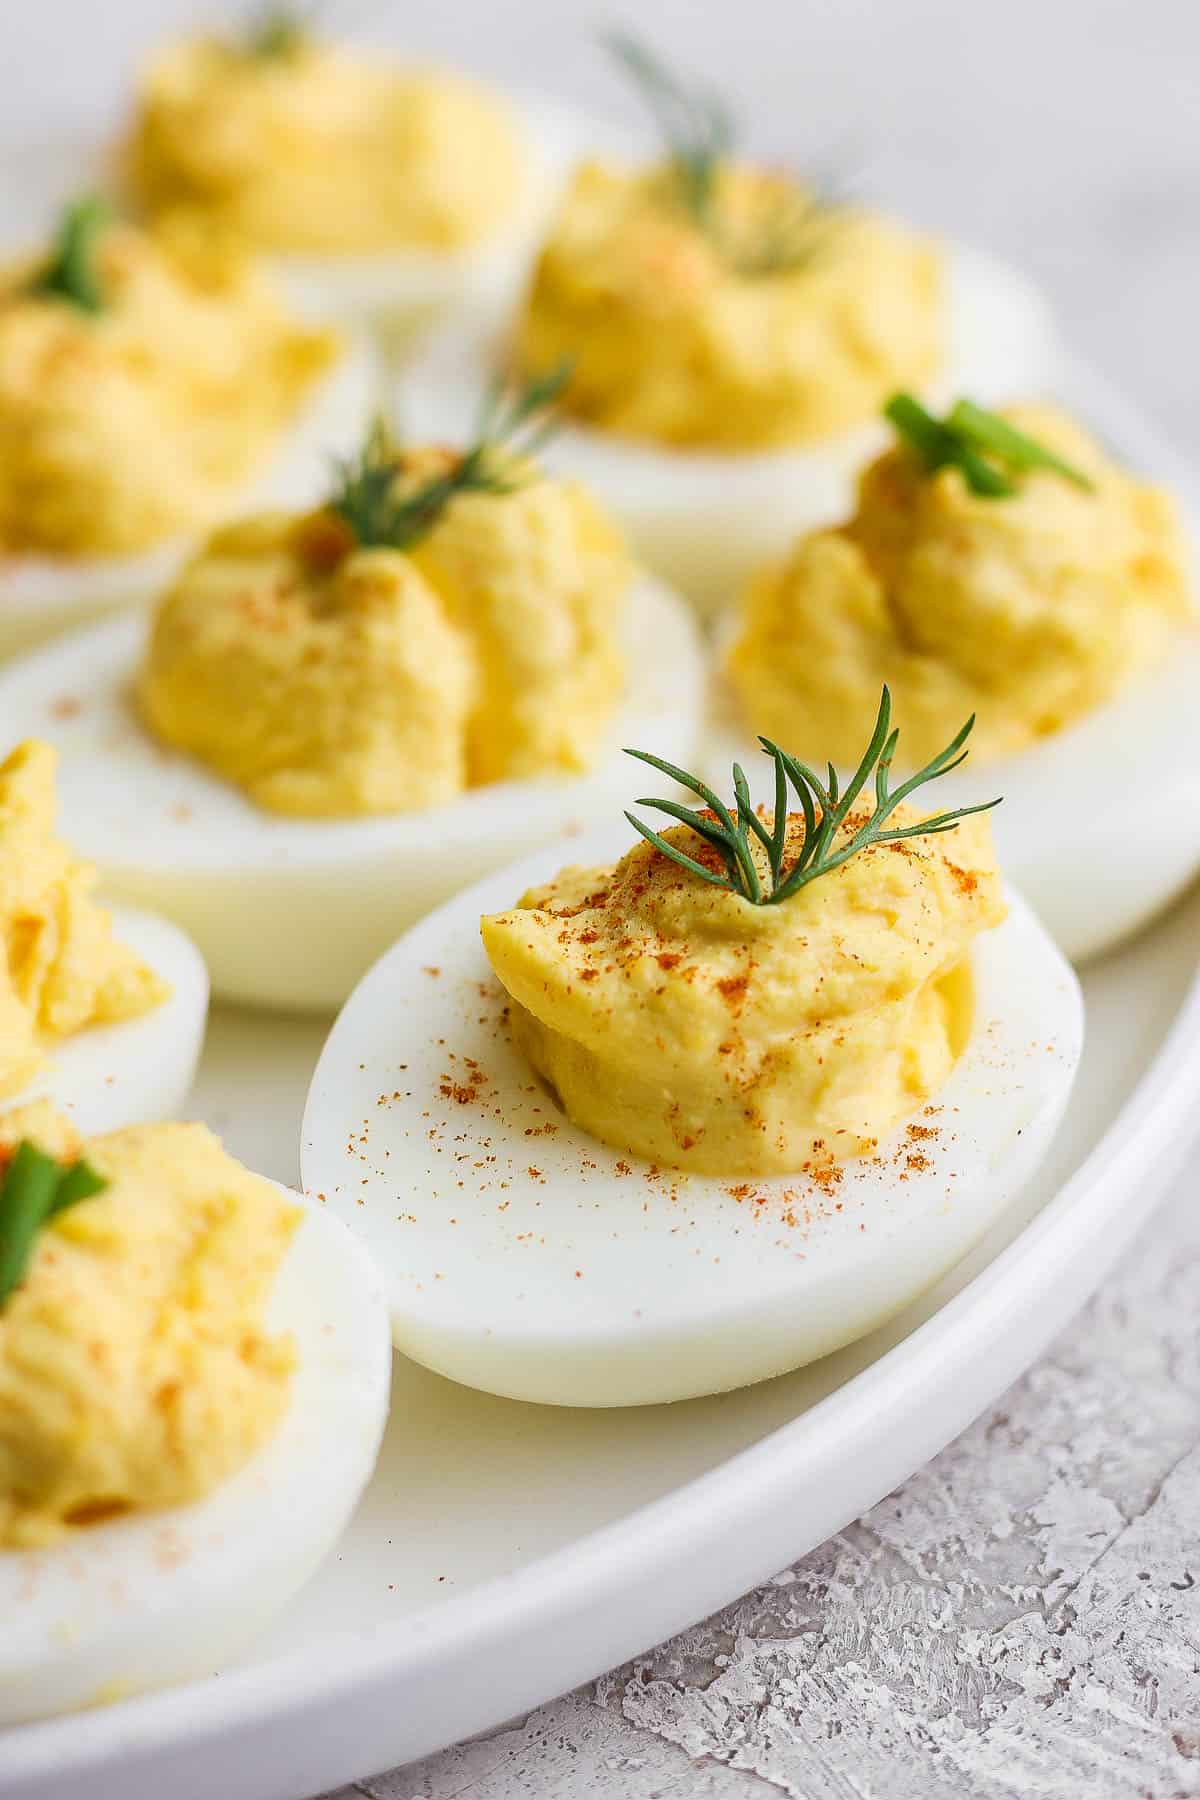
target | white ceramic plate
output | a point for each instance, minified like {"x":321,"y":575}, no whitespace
{"x":507,"y":1552}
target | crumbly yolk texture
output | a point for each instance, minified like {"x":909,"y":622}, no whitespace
{"x":122,"y":428}
{"x":318,"y":151}
{"x":60,"y":968}
{"x":330,"y":681}
{"x":1027,"y":611}
{"x":678,"y":1021}
{"x":136,"y":1370}
{"x":676,"y":339}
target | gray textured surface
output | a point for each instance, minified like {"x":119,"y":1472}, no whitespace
{"x":1023,"y":1617}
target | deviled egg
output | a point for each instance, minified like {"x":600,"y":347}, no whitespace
{"x":1001,"y":565}
{"x":102,"y":1015}
{"x":149,"y":384}
{"x":734,"y":334}
{"x":194,"y":1371}
{"x":699,"y":1110}
{"x":339,"y":718}
{"x":382,"y":194}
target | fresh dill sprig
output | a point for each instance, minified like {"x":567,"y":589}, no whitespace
{"x":33,"y":1189}
{"x":515,"y":422}
{"x":989,"y":451}
{"x":700,"y":132}
{"x":274,"y":31}
{"x":70,"y":271}
{"x":824,"y":807}
{"x":696,"y":125}
{"x":792,"y":232}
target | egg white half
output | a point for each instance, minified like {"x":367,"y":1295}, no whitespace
{"x":154,"y":1598}
{"x":137,"y":1071}
{"x":522,"y":1256}
{"x":703,"y":520}
{"x":42,"y":596}
{"x":394,"y":293}
{"x":1100,"y":824}
{"x":290,"y":912}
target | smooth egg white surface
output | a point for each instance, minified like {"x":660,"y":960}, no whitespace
{"x":524,"y":1257}
{"x":137,"y":1071}
{"x":394,"y":293}
{"x":290,"y":912}
{"x":43,"y":596}
{"x":705,"y":520}
{"x":152,"y":1598}
{"x":1100,"y":824}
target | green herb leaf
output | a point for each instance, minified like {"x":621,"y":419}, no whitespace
{"x":985,"y":448}
{"x":699,"y":132}
{"x":274,"y":32}
{"x":792,"y":233}
{"x":697,"y":127}
{"x":824,"y":807}
{"x":515,"y":422}
{"x":34,"y":1188}
{"x":70,"y":274}
{"x":988,"y":432}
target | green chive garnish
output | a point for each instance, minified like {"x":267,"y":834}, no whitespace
{"x":986,"y":449}
{"x":70,"y":274}
{"x":34,"y":1188}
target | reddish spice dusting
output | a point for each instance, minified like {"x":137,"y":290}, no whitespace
{"x":733,"y":989}
{"x":966,"y":880}
{"x":669,"y":959}
{"x":467,"y":1091}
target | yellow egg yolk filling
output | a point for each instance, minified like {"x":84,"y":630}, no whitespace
{"x":678,"y":1021}
{"x":1027,"y":611}
{"x":135,"y":1368}
{"x":320,"y":151}
{"x":60,"y":968}
{"x":675,"y":339}
{"x":332,"y":681}
{"x":123,"y":427}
